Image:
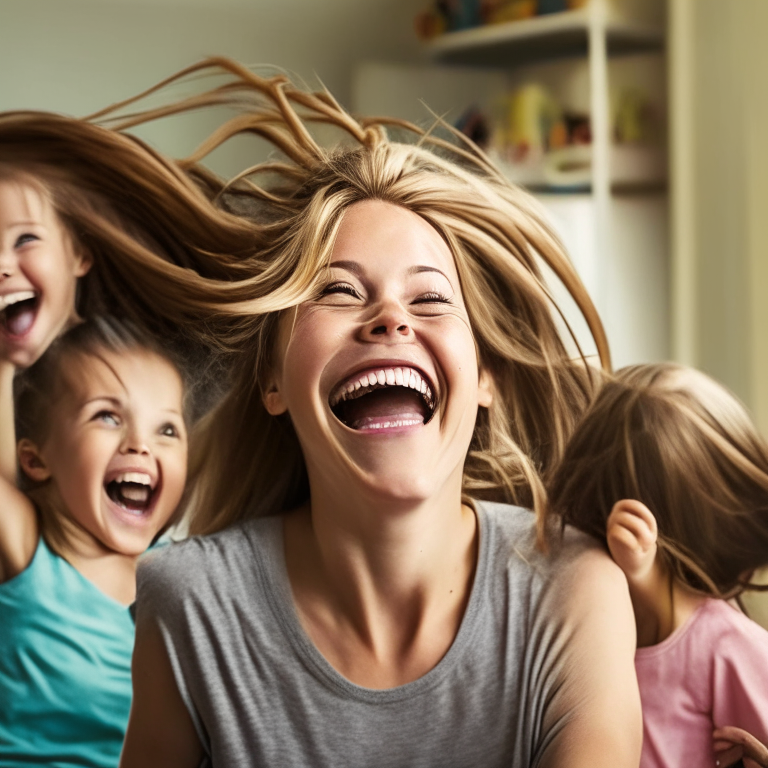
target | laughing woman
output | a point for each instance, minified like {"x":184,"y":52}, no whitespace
{"x":366,"y":593}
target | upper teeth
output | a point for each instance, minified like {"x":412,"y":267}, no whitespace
{"x":384,"y":377}
{"x":15,"y":298}
{"x":141,"y":478}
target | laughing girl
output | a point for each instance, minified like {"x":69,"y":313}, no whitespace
{"x":367,"y":594}
{"x":103,"y":454}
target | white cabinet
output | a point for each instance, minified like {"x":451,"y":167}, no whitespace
{"x":616,"y":226}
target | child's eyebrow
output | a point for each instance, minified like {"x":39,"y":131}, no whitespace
{"x":105,"y":398}
{"x":25,"y":223}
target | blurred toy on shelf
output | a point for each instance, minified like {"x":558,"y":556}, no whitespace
{"x":538,"y":143}
{"x":454,"y":15}
{"x":500,"y":11}
{"x":474,"y":124}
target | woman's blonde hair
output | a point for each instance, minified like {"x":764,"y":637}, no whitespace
{"x":684,"y":446}
{"x":499,"y":239}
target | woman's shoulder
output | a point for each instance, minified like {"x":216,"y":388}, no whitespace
{"x":182,"y":567}
{"x":512,"y":533}
{"x":573,"y":573}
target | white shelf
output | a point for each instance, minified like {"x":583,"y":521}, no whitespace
{"x":552,"y":36}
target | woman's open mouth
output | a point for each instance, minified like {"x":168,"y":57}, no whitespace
{"x":384,"y":398}
{"x":18,"y":312}
{"x":132,"y":491}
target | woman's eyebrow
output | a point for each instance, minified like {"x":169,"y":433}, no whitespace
{"x":419,"y":269}
{"x":350,"y":266}
{"x":355,"y":268}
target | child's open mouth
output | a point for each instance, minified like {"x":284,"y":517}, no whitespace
{"x":384,"y":398}
{"x":133,"y":491}
{"x":18,"y":311}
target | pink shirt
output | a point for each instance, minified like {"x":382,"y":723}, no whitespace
{"x":711,"y":672}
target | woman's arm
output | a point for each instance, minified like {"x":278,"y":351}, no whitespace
{"x":595,"y":710}
{"x":160,"y":730}
{"x":19,"y":531}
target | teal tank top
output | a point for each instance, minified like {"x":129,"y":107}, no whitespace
{"x":65,"y":668}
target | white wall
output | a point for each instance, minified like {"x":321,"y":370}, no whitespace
{"x":77,"y":56}
{"x":720,"y":192}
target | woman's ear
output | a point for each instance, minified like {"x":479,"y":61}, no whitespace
{"x":484,"y":389}
{"x":32,"y":463}
{"x":273,"y":400}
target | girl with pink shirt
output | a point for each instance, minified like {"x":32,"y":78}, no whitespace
{"x":668,"y":470}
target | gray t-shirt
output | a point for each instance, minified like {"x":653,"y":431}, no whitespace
{"x":261,"y":694}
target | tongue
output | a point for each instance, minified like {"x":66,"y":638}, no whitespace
{"x":385,"y":408}
{"x":19,"y":318}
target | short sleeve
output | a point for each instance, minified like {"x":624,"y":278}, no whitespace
{"x":593,"y":687}
{"x":165,"y":589}
{"x":740,"y":678}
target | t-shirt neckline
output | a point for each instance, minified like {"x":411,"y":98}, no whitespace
{"x":281,"y":602}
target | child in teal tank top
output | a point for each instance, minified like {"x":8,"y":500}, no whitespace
{"x":91,"y":220}
{"x":103,"y":458}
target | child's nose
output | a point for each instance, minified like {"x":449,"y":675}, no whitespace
{"x":134,"y":442}
{"x":8,"y":263}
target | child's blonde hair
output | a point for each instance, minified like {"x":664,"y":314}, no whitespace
{"x":498,"y":237}
{"x":684,"y":446}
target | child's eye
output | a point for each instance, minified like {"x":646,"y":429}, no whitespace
{"x":23,"y":239}
{"x":340,"y":287}
{"x":169,"y":430}
{"x":107,"y":417}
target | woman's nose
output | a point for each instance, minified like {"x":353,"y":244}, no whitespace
{"x":389,"y":322}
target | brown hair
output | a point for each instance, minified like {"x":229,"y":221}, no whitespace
{"x":681,"y":444}
{"x":499,"y":239}
{"x":36,"y":388}
{"x":163,"y":255}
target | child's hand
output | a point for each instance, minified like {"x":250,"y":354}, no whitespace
{"x":733,"y":744}
{"x":631,"y":534}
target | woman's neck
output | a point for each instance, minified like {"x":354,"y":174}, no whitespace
{"x":382,"y":591}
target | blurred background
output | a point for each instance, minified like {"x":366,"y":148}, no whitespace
{"x":640,"y":125}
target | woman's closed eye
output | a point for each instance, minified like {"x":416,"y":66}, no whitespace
{"x":432,"y":297}
{"x":340,"y":287}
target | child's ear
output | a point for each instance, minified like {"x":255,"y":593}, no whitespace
{"x":273,"y":400}
{"x":84,"y":262}
{"x":485,"y":389}
{"x":32,"y":463}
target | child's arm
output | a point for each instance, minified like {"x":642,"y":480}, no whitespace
{"x":631,"y":535}
{"x":7,"y":431}
{"x":733,"y":744}
{"x":18,"y":520}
